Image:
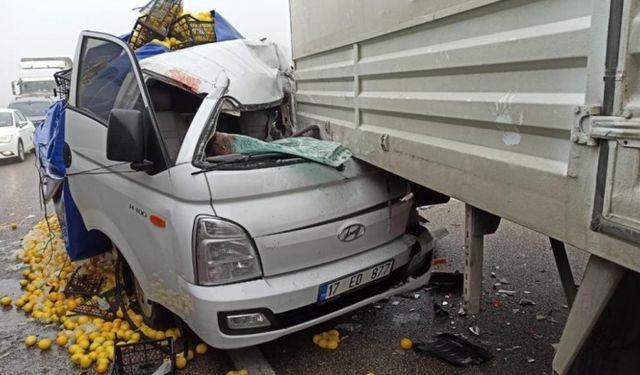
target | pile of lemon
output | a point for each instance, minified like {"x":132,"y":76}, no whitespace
{"x":180,"y":29}
{"x":327,"y":340}
{"x":88,"y":340}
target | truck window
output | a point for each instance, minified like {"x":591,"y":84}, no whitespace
{"x":106,"y":80}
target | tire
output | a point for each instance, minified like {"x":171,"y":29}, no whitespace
{"x":20,"y":151}
{"x":155,"y":315}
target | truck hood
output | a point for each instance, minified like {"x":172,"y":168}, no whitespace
{"x":294,"y":213}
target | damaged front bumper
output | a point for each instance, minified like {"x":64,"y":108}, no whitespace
{"x":288,"y":303}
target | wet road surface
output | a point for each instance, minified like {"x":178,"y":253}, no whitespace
{"x":519,"y":337}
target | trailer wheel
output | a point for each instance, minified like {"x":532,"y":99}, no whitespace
{"x":155,"y":315}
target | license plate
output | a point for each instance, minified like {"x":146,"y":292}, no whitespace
{"x":354,"y":281}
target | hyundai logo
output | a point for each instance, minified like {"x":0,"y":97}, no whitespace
{"x":351,"y":233}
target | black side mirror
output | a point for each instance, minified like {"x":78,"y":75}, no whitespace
{"x":22,"y":124}
{"x":125,"y":136}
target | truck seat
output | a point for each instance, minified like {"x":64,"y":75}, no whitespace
{"x":173,"y":126}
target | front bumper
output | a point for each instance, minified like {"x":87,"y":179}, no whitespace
{"x":8,"y":150}
{"x":290,"y":300}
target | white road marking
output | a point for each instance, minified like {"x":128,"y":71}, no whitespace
{"x":252,"y":360}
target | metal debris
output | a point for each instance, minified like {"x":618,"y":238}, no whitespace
{"x":395,"y":303}
{"x":462,"y":311}
{"x":349,"y":327}
{"x":515,"y":311}
{"x":493,"y":275}
{"x":507,"y":292}
{"x":504,"y":281}
{"x":439,"y":312}
{"x":530,"y":360}
{"x":416,"y":296}
{"x":527,"y":292}
{"x":526,"y":302}
{"x":475,"y":330}
{"x":540,"y":317}
{"x":445,"y":303}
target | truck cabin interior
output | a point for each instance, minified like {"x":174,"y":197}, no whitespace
{"x":176,"y":107}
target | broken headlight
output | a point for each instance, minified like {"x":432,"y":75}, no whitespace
{"x":224,"y":253}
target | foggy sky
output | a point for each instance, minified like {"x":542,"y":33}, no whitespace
{"x":38,"y":28}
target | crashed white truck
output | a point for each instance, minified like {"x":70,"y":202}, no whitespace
{"x":243,"y":246}
{"x":524,"y":110}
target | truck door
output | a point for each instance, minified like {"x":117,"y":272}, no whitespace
{"x":617,"y":196}
{"x":111,"y":196}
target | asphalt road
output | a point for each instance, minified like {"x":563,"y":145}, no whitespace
{"x":520,"y":338}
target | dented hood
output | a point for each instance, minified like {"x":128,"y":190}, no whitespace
{"x":257,"y":71}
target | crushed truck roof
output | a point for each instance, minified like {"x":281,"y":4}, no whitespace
{"x":255,"y":69}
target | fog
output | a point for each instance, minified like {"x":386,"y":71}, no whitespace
{"x":38,"y":28}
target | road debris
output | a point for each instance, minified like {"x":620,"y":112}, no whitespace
{"x":475,"y":330}
{"x":395,"y":303}
{"x":406,"y":343}
{"x":438,"y":261}
{"x":89,"y":340}
{"x":530,"y":360}
{"x":327,"y":340}
{"x":526,"y":302}
{"x":14,"y":226}
{"x":454,"y":350}
{"x":462,"y":311}
{"x":439,"y":312}
{"x":497,"y":303}
{"x":349,"y":327}
{"x":504,"y":281}
{"x":446,"y":281}
{"x":540,"y":316}
{"x":506,"y":292}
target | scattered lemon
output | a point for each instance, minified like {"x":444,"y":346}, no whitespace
{"x":323,"y":343}
{"x":201,"y":348}
{"x":332,"y":344}
{"x":190,"y":355}
{"x":85,"y":361}
{"x":243,"y":372}
{"x":181,"y":362}
{"x":23,"y":283}
{"x":30,"y":340}
{"x":62,"y":339}
{"x":14,"y":226}
{"x":75,"y":358}
{"x":406,"y":343}
{"x":44,"y":344}
{"x":317,"y":338}
{"x":5,"y":301}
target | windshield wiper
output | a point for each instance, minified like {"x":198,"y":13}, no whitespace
{"x":221,"y":161}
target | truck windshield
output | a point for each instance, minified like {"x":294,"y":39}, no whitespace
{"x":33,"y":87}
{"x":31,"y":108}
{"x":5,"y":119}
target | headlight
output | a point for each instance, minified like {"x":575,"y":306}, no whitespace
{"x":224,"y":253}
{"x":5,"y":138}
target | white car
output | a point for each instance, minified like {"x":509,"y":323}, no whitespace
{"x":243,"y":248}
{"x":16,"y":134}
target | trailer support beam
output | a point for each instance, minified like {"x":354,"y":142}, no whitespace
{"x":478,"y":223}
{"x":600,"y":281}
{"x":564,"y":270}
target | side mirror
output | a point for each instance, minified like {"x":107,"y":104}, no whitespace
{"x":14,"y":89}
{"x":125,"y":136}
{"x":22,"y":124}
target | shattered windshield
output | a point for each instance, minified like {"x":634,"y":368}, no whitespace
{"x":33,"y":87}
{"x":31,"y":108}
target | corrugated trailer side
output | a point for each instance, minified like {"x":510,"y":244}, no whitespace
{"x":518,"y":108}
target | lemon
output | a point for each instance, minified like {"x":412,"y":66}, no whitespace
{"x":93,"y":356}
{"x":23,"y":283}
{"x":332,"y":344}
{"x":201,"y":348}
{"x":20,"y":302}
{"x":30,"y":340}
{"x":102,"y":368}
{"x":181,"y":362}
{"x":75,"y":358}
{"x":62,"y":339}
{"x":85,"y":361}
{"x":316,"y":339}
{"x":83,"y":319}
{"x":84,"y":344}
{"x":406,"y":343}
{"x":75,"y":349}
{"x":243,"y":372}
{"x":44,"y":344}
{"x":334,"y":333}
{"x":53,"y":296}
{"x":323,"y":343}
{"x":5,"y":301}
{"x":135,"y":337}
{"x":233,"y":373}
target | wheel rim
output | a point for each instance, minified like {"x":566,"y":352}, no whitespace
{"x":143,"y":303}
{"x":20,"y":151}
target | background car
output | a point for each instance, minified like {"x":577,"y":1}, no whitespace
{"x":34,"y":108}
{"x":16,"y":134}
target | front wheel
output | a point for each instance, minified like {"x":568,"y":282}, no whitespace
{"x":20,"y":151}
{"x":154,"y":314}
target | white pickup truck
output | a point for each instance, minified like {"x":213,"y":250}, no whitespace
{"x":243,"y":248}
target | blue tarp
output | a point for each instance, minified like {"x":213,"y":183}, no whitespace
{"x":224,"y":30}
{"x":48,"y":140}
